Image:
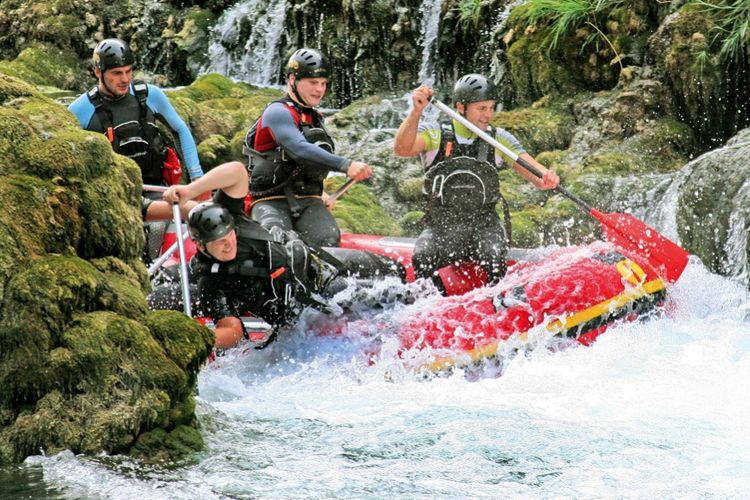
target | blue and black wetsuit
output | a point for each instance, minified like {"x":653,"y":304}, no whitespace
{"x":290,"y":156}
{"x":128,"y":135}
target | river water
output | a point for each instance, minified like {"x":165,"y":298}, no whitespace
{"x":654,"y":409}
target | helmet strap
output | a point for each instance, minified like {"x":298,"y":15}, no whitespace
{"x":103,"y":83}
{"x":205,"y":251}
{"x":296,"y":94}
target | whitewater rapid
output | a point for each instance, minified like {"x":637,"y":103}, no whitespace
{"x":654,"y":409}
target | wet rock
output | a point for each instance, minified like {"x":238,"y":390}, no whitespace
{"x":85,"y":365}
{"x":712,"y":214}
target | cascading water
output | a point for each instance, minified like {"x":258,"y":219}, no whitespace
{"x":430,"y":23}
{"x":245,"y":40}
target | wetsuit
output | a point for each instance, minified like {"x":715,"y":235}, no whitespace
{"x":290,"y":156}
{"x":129,"y":135}
{"x":462,"y":226}
{"x":274,"y":276}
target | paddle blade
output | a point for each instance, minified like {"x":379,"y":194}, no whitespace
{"x":632,"y":235}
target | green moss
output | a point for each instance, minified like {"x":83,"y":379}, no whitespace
{"x":185,"y":341}
{"x":160,"y":445}
{"x":542,"y":127}
{"x":213,"y":151}
{"x":215,"y":86}
{"x":413,"y":222}
{"x":359,"y":212}
{"x":11,"y":88}
{"x":43,"y":66}
{"x":111,"y":206}
{"x":534,"y":74}
{"x":410,"y":189}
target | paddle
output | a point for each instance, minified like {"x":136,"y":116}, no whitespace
{"x":184,"y":279}
{"x":340,"y":191}
{"x":625,"y":231}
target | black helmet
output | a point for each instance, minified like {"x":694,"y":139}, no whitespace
{"x":474,"y":88}
{"x":209,"y":221}
{"x":307,"y":63}
{"x":112,"y":53}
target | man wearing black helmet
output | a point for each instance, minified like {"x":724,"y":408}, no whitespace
{"x":290,"y":154}
{"x":126,"y":110}
{"x":461,"y":181}
{"x":241,"y":268}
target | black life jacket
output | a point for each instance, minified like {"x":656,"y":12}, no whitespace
{"x":272,"y":172}
{"x":132,"y":130}
{"x":461,"y":178}
{"x":292,"y":271}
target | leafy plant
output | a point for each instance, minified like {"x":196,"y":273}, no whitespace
{"x":565,"y":16}
{"x":469,"y":12}
{"x":732,"y":19}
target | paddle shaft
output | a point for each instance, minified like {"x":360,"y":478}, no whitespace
{"x":340,"y":191}
{"x":508,"y":152}
{"x":184,"y":279}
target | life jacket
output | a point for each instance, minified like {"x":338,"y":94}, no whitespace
{"x":133,"y":133}
{"x":292,"y":270}
{"x":460,"y":177}
{"x":272,"y":172}
{"x":449,"y":146}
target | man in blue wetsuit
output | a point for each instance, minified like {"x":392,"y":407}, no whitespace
{"x":126,"y":110}
{"x":290,"y":154}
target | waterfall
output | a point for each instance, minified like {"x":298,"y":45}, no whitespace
{"x":430,"y":10}
{"x":245,"y":39}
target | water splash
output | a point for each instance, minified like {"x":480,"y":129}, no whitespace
{"x":317,"y":421}
{"x":244,"y":42}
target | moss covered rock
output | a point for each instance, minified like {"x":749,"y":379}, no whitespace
{"x":358,"y":211}
{"x":85,"y":366}
{"x":712,"y":215}
{"x":709,"y":89}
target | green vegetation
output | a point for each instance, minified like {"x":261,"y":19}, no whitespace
{"x":732,"y":19}
{"x":565,"y":16}
{"x":469,"y":13}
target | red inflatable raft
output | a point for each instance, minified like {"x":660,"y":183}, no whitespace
{"x":574,"y":291}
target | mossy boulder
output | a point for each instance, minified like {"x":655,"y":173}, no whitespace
{"x":214,"y":150}
{"x":215,"y":105}
{"x":85,"y":365}
{"x":358,"y":211}
{"x":588,"y":53}
{"x":45,"y":66}
{"x":709,"y":89}
{"x":544,"y":126}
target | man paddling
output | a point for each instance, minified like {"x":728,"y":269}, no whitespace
{"x":241,"y":268}
{"x":290,"y":154}
{"x":461,"y":180}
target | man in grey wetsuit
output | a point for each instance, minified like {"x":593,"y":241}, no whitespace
{"x":290,"y":154}
{"x":461,"y":179}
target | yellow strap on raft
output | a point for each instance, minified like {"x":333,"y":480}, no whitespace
{"x":628,"y":269}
